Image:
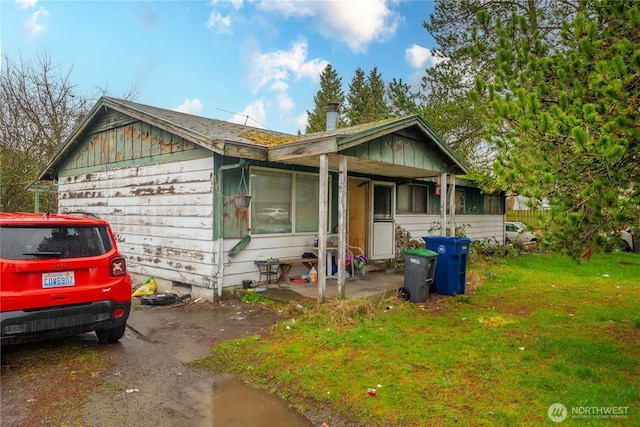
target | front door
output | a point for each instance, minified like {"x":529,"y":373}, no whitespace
{"x":358,"y":201}
{"x":382,"y":211}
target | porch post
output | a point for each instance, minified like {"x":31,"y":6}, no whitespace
{"x":452,"y":207}
{"x":323,"y":203}
{"x":443,"y":204}
{"x":342,"y":224}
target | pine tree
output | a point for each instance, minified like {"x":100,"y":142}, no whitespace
{"x":377,"y":106}
{"x":565,"y":116}
{"x":468,"y":47}
{"x":402,"y":100}
{"x":330,"y":91}
{"x":356,"y":98}
{"x":366,"y":98}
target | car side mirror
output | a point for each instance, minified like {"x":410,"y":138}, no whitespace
{"x":520,"y":230}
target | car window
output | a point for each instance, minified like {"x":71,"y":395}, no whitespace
{"x":53,"y":242}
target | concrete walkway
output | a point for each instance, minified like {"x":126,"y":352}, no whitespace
{"x":377,"y":283}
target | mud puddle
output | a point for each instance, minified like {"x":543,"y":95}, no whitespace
{"x":151,"y":382}
{"x":145,"y":380}
{"x":224,"y":401}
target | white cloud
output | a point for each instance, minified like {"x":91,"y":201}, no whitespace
{"x":279,"y":86}
{"x":190,"y":106}
{"x":236,"y":4}
{"x":220,"y":24}
{"x":356,"y":23}
{"x":26,"y":4}
{"x":422,"y":57}
{"x":417,"y":56}
{"x":253,"y":115}
{"x":274,"y":68}
{"x":285,"y":102}
{"x":301,"y":121}
{"x":34,"y":22}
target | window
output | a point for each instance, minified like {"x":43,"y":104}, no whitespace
{"x":284,"y":201}
{"x":460,"y":202}
{"x":493,"y":204}
{"x":271,"y":193}
{"x":382,"y":202}
{"x":307,"y":207}
{"x":412,"y":199}
{"x":63,"y":242}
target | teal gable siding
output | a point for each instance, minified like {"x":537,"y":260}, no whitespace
{"x":401,"y":150}
{"x":116,"y":142}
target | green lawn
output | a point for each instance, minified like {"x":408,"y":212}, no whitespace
{"x":535,"y":330}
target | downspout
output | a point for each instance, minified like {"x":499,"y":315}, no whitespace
{"x":220,"y":240}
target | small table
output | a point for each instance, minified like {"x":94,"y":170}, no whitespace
{"x":267,"y":271}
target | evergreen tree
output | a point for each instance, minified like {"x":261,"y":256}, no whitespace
{"x":377,"y":106}
{"x":330,"y":91}
{"x":366,"y":98}
{"x":564,"y":115}
{"x":357,"y":98}
{"x":402,"y":100}
{"x":458,"y":33}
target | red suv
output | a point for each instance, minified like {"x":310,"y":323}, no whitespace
{"x":61,"y":275}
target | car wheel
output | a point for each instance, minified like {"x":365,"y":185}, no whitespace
{"x":109,"y":336}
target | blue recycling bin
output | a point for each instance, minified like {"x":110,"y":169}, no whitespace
{"x":450,"y":276}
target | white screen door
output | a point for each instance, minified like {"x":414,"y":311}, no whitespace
{"x":383,"y":230}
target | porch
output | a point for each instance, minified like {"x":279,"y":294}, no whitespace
{"x":374,"y":284}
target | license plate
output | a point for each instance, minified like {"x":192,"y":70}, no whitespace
{"x":58,"y":280}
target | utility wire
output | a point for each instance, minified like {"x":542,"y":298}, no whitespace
{"x":246,"y":116}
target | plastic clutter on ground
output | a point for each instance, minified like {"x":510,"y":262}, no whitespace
{"x":163,"y":299}
{"x":148,"y":288}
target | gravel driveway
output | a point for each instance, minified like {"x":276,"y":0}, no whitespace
{"x":146,"y":380}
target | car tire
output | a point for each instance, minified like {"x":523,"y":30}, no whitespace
{"x":109,"y":336}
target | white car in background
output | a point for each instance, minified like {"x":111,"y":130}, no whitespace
{"x":274,"y":215}
{"x":627,"y":238}
{"x":517,"y":233}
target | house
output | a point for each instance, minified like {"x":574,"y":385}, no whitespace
{"x":175,"y":188}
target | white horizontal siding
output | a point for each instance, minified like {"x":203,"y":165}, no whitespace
{"x":162,"y":216}
{"x":242,"y":267}
{"x":477,"y":227}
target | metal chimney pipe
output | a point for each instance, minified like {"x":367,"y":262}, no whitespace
{"x":332,"y":115}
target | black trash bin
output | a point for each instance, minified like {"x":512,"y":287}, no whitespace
{"x":451,"y":271}
{"x":420,"y":265}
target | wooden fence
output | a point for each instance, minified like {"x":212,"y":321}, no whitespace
{"x":532,"y":218}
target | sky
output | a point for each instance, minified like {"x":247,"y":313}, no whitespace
{"x":250,"y":62}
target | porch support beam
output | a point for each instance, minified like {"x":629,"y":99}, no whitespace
{"x":323,"y":203}
{"x":452,"y":206}
{"x":342,"y":225}
{"x":443,"y":204}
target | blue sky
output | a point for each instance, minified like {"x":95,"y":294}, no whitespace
{"x":258,"y":59}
